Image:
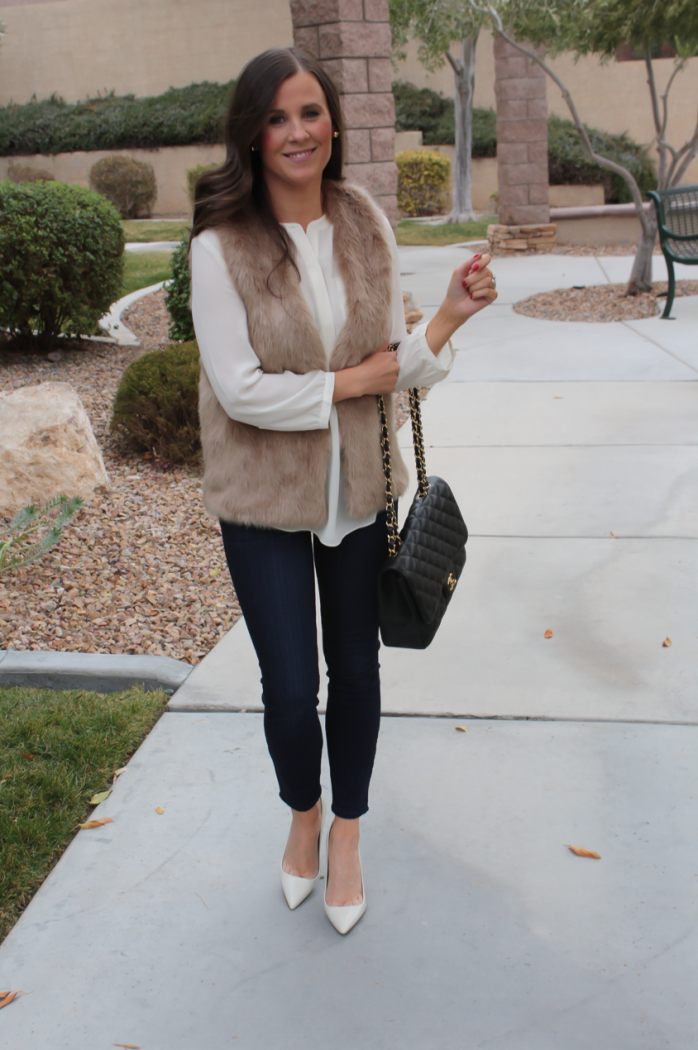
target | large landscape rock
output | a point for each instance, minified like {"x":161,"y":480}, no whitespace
{"x":47,"y":447}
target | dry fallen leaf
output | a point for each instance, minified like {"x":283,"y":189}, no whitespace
{"x":101,"y":796}
{"x":96,"y":823}
{"x":117,"y":773}
{"x":29,"y":758}
{"x":214,"y":573}
{"x":583,"y":852}
{"x":613,"y":535}
{"x":159,"y":809}
{"x":666,"y":643}
{"x":548,"y":633}
{"x":129,"y":1046}
{"x":461,"y":729}
{"x":7,"y":997}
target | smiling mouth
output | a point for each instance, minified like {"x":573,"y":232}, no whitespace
{"x":301,"y":154}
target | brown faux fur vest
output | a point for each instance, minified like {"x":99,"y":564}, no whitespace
{"x":278,"y":479}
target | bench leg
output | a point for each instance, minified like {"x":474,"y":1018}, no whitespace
{"x":671,"y":289}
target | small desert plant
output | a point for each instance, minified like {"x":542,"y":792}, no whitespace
{"x":34,"y":531}
{"x":156,"y":408}
{"x":61,"y":260}
{"x":24,"y":173}
{"x":193,"y":175}
{"x":422,"y":177}
{"x":179,"y":295}
{"x":127,"y":183}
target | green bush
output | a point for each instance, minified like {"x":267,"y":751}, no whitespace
{"x":567,"y":162}
{"x":178,"y":117}
{"x":192,"y":176}
{"x":61,"y":260}
{"x":156,"y":404}
{"x":178,"y":295}
{"x":421,"y":109}
{"x":422,"y":177}
{"x":127,"y":183}
{"x":24,"y":173}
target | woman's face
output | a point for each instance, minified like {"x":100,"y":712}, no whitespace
{"x":296,"y":141}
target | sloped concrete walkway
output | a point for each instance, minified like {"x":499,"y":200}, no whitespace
{"x":169,"y":932}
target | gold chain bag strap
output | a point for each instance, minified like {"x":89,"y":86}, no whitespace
{"x":426,"y":558}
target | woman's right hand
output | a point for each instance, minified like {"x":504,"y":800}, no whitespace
{"x":377,"y":374}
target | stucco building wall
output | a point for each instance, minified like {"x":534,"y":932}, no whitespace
{"x":78,"y":48}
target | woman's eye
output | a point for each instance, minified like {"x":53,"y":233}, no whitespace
{"x":276,"y":119}
{"x":312,"y":113}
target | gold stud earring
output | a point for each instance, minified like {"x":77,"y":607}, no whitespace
{"x":335,"y":134}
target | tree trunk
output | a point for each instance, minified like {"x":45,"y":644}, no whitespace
{"x":464,"y":74}
{"x":641,"y":274}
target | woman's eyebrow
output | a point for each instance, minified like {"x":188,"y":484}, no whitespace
{"x":303,"y":106}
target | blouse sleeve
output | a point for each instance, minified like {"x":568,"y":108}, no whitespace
{"x":269,"y":401}
{"x":419,"y":366}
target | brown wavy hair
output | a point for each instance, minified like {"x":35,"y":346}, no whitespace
{"x":230,"y":192}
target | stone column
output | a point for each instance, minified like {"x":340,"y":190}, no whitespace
{"x":352,"y":40}
{"x":522,"y":152}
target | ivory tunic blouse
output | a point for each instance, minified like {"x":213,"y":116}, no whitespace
{"x":289,"y":401}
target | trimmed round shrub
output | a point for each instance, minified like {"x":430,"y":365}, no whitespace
{"x":129,"y":184}
{"x":24,"y":173}
{"x":179,"y":294}
{"x":422,"y":177}
{"x":61,"y":260}
{"x":156,"y":408}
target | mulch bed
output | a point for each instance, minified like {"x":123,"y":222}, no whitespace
{"x":600,"y":303}
{"x":141,"y":569}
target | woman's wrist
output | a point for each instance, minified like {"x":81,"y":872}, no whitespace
{"x":444,"y":324}
{"x":346,"y":384}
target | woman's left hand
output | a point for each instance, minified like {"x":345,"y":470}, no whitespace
{"x":471,"y":288}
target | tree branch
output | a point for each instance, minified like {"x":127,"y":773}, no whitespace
{"x":586,"y":143}
{"x":661,"y":144}
{"x":455,"y":64}
{"x":679,"y":166}
{"x":678,"y":68}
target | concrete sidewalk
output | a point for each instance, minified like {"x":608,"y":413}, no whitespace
{"x":573,"y":451}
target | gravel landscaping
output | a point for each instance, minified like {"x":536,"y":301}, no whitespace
{"x":141,"y":569}
{"x":578,"y":249}
{"x":599,"y":303}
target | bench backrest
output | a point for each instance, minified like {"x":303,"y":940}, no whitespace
{"x":677,"y":212}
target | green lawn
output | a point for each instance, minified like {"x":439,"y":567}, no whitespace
{"x":409,"y":232}
{"x":144,"y":268}
{"x":57,"y":750}
{"x":143,"y":231}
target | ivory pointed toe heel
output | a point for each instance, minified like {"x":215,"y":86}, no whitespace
{"x":344,"y":917}
{"x":295,"y":888}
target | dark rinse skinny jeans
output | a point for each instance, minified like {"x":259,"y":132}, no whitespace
{"x":273,"y":574}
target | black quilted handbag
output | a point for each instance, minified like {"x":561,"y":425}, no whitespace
{"x":426,"y":559}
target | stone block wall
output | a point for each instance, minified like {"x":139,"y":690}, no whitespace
{"x":522,"y":137}
{"x":352,"y":40}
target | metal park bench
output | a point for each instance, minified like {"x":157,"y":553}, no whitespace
{"x":677,"y":216}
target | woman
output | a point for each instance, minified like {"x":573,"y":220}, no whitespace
{"x":295,"y":297}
